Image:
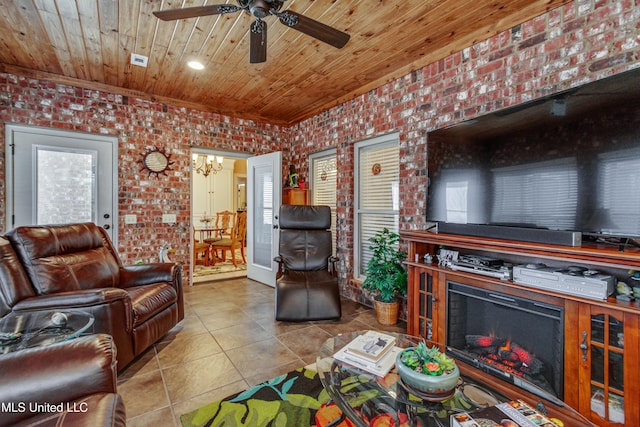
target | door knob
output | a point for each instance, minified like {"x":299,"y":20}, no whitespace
{"x":106,"y":216}
{"x":106,"y":226}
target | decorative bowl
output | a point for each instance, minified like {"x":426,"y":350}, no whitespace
{"x":431,"y":385}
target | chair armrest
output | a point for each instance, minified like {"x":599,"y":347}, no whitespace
{"x":332,"y":265}
{"x":146,"y":274}
{"x":281,"y":267}
{"x":74,"y":299}
{"x":61,"y":372}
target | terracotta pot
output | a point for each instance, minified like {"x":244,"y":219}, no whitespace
{"x":386,"y":312}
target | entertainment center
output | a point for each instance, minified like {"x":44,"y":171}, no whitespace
{"x":550,"y":188}
{"x":600,"y":347}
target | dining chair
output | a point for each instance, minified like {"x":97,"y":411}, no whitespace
{"x":235,"y":241}
{"x":224,"y":222}
{"x":200,"y":248}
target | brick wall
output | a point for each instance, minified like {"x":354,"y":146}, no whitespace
{"x":571,"y":45}
{"x":139,"y":125}
{"x":580,"y":42}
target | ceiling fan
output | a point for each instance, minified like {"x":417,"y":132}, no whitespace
{"x":258,"y":36}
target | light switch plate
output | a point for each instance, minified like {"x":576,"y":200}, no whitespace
{"x":130,"y":219}
{"x":169,"y":218}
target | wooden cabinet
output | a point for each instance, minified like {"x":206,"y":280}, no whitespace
{"x":295,"y":196}
{"x":601,"y":338}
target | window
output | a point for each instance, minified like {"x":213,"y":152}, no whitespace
{"x":377,"y":198}
{"x":324,"y":173}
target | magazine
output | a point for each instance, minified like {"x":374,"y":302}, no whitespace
{"x":379,"y":368}
{"x":372,"y":345}
{"x":513,"y":413}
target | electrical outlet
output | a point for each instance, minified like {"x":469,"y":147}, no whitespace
{"x":169,"y":218}
{"x":130,"y":219}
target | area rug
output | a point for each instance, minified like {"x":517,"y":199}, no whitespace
{"x":221,"y":267}
{"x":290,"y":400}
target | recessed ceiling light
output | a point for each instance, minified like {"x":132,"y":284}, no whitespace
{"x":195,"y":65}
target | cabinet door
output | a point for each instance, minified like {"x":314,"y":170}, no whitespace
{"x":609,"y":380}
{"x":423,"y":303}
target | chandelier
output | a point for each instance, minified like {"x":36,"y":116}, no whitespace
{"x":204,"y":164}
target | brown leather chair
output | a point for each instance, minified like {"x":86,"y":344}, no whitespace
{"x":305,"y":288}
{"x":76,"y":266}
{"x":73,"y":381}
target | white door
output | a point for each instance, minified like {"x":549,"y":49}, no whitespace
{"x":61,"y":177}
{"x":264,"y":195}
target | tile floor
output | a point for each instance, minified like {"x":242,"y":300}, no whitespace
{"x":228,"y":341}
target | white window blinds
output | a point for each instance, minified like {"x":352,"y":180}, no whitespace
{"x":377,"y":194}
{"x":324,"y":173}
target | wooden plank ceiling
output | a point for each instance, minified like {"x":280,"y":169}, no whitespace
{"x":90,"y":42}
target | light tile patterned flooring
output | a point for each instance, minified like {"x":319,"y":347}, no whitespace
{"x":228,"y":341}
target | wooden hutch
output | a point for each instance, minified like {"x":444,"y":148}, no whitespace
{"x":593,"y":360}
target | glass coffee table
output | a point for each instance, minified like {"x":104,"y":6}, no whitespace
{"x":40,"y":328}
{"x":366,"y":399}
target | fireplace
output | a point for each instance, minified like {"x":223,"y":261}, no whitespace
{"x":516,"y":335}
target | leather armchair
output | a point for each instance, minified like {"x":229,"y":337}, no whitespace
{"x":72,"y":383}
{"x":76,"y":266}
{"x":306,"y":289}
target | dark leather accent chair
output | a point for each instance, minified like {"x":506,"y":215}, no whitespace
{"x":306,"y":289}
{"x":75,"y":266}
{"x":73,"y":381}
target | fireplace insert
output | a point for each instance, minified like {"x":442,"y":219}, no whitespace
{"x":507,"y":335}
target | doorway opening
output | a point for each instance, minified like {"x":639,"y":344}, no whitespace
{"x":218,"y":184}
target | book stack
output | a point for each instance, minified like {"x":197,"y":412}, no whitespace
{"x":510,"y":414}
{"x":373,"y":352}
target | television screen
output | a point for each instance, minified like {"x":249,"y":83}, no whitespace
{"x":570,"y":162}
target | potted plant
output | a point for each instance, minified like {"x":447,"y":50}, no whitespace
{"x":386,"y":275}
{"x":428,"y":370}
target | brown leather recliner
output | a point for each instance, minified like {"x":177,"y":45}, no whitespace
{"x":75,"y":266}
{"x":72,"y":383}
{"x":305,"y":288}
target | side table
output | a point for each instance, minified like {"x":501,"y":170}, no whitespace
{"x":40,"y":328}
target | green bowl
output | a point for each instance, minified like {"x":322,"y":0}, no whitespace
{"x":436,"y":385}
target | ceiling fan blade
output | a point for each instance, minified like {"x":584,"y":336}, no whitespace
{"x":258,"y":46}
{"x":193,"y":12}
{"x":313,"y":28}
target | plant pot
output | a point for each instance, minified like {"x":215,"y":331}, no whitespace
{"x":435,"y":386}
{"x":386,"y":312}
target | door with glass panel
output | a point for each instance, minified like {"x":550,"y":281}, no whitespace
{"x":60,"y":177}
{"x":264,"y":195}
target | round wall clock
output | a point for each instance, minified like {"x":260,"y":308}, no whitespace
{"x":156,"y":161}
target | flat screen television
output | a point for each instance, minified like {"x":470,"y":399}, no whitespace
{"x":565,"y":164}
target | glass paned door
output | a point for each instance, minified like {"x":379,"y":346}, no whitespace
{"x":264,"y":183}
{"x":61,"y":177}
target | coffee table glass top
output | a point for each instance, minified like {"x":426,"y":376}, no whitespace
{"x":365,"y":398}
{"x":32,"y":329}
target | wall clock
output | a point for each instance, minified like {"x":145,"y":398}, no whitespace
{"x":156,"y":161}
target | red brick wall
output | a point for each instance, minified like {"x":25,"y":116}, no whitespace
{"x":138,"y":125}
{"x":572,"y":45}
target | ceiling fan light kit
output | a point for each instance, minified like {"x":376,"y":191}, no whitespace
{"x":260,"y":9}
